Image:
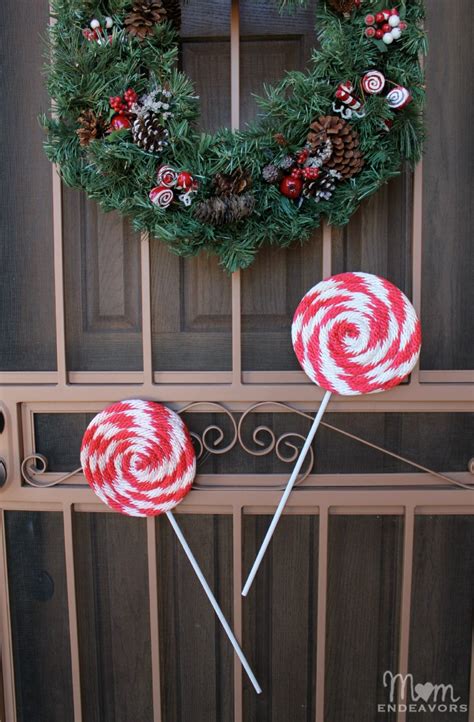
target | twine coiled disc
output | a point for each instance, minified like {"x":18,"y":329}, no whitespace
{"x":356,"y":333}
{"x":138,"y":457}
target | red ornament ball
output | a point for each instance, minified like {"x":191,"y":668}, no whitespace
{"x":394,"y":11}
{"x":184,"y":181}
{"x":379,"y":34}
{"x":119,"y":122}
{"x":386,"y":28}
{"x":369,"y":19}
{"x":291,"y":187}
{"x":379,"y":18}
{"x":370,"y":32}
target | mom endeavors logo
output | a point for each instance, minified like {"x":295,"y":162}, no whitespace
{"x":406,"y":695}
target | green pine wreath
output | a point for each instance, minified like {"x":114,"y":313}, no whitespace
{"x":123,"y":126}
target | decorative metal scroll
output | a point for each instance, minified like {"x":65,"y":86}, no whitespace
{"x":214,"y":441}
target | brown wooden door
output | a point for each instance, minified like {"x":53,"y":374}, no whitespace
{"x":372,"y":568}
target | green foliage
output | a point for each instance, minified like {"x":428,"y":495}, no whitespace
{"x":119,"y":175}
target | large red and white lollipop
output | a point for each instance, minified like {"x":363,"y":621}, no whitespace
{"x":139,"y":459}
{"x":353,"y":333}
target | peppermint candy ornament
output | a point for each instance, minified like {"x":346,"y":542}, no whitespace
{"x":373,"y":82}
{"x":166,"y":176}
{"x":398,"y":97}
{"x":138,"y":458}
{"x":354,"y":333}
{"x":161,"y":196}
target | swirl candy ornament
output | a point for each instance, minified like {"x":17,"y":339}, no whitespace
{"x":373,"y":82}
{"x":356,"y":333}
{"x":138,"y":458}
{"x":398,"y":97}
{"x":161,"y":196}
{"x":167,"y":176}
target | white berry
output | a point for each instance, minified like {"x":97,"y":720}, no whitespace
{"x":388,"y":38}
{"x":396,"y":33}
{"x":95,"y":24}
{"x":109,"y":22}
{"x":393,"y":21}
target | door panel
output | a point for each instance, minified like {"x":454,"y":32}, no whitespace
{"x":27,"y":320}
{"x":114,"y":632}
{"x":196,"y":659}
{"x":378,"y":238}
{"x":447,"y":193}
{"x":443,"y":607}
{"x":39,"y":617}
{"x":280,"y":619}
{"x":102,"y":287}
{"x":364,"y":588}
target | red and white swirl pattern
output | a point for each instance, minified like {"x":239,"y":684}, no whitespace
{"x":138,"y":457}
{"x":356,"y":333}
{"x":398,"y":97}
{"x":373,"y":82}
{"x":167,"y":176}
{"x":161,"y":196}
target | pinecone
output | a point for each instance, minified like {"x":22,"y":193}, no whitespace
{"x":346,"y":157}
{"x":220,"y":210}
{"x":323,"y":186}
{"x":143,"y":17}
{"x":173,"y":13}
{"x":287,"y":162}
{"x":91,"y":127}
{"x":280,"y":139}
{"x":271,"y":173}
{"x":149,"y":134}
{"x":232,"y":183}
{"x":343,"y":6}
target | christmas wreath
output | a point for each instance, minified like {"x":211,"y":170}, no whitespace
{"x":123,"y":124}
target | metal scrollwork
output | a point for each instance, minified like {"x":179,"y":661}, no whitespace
{"x":285,"y":450}
{"x":214,"y":440}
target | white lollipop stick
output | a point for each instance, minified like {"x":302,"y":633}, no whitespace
{"x":213,"y":601}
{"x":286,"y":493}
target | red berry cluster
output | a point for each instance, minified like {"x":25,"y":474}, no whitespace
{"x":385,"y":25}
{"x":292,"y":185}
{"x":125,"y":104}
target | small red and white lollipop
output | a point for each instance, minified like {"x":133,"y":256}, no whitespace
{"x":139,"y":459}
{"x":353,"y":333}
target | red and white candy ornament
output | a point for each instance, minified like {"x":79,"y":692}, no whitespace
{"x":166,"y":176}
{"x":354,"y":333}
{"x":161,"y":196}
{"x":139,"y":459}
{"x":345,"y":93}
{"x":373,"y":82}
{"x":399,"y":97}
